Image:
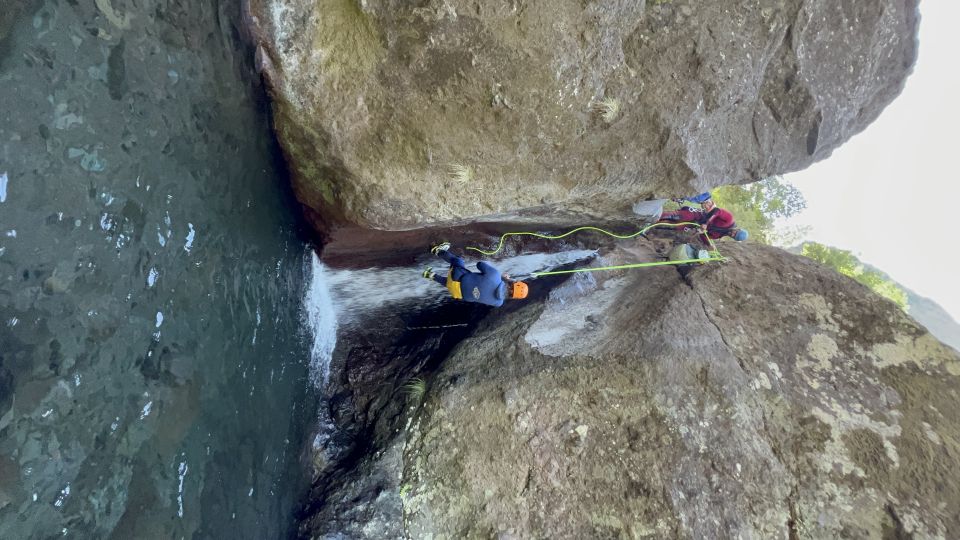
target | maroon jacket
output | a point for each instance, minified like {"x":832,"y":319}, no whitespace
{"x":718,"y":220}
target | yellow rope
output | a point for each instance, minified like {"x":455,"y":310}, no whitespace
{"x":714,"y":253}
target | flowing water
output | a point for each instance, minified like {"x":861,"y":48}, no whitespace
{"x":153,"y":358}
{"x":343,"y":299}
{"x":359,"y":291}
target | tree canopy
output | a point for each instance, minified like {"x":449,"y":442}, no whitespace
{"x":758,"y":205}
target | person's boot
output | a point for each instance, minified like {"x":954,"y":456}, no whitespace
{"x":428,"y":273}
{"x":442,"y":246}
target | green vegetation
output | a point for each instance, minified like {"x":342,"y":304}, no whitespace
{"x":461,"y":173}
{"x":847,"y":264}
{"x":756,"y":206}
{"x":415,"y":388}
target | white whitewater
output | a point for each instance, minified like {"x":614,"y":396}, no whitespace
{"x":340,"y":298}
{"x":320,"y":318}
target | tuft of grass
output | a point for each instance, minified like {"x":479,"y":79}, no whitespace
{"x":461,"y":173}
{"x":415,"y":388}
{"x":609,"y":109}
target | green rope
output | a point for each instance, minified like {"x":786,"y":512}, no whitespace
{"x":621,"y":266}
{"x":714,"y":253}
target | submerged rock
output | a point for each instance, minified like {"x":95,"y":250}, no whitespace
{"x":396,"y":115}
{"x":766,"y":397}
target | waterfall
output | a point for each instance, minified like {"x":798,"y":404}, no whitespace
{"x":336,"y":298}
{"x":320,"y":320}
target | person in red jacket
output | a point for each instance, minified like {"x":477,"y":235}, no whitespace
{"x":714,"y":221}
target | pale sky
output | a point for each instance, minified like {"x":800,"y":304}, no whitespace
{"x":891,"y":194}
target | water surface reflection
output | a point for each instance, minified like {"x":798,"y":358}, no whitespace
{"x":153,"y":369}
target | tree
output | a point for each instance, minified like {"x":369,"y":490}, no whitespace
{"x":756,"y":206}
{"x":847,"y":264}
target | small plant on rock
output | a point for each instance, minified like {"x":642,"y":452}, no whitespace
{"x":415,"y":388}
{"x":609,"y":109}
{"x":461,"y":173}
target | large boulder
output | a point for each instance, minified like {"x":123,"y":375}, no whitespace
{"x":768,"y":397}
{"x":398,"y":114}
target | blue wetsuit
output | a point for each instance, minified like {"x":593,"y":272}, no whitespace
{"x":486,"y":287}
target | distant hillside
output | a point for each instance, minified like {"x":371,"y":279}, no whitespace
{"x":924,"y":310}
{"x":929,"y":313}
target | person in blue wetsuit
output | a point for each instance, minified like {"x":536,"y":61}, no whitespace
{"x":488,"y":286}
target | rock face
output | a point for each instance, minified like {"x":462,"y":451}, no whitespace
{"x":396,"y":115}
{"x":767,"y":397}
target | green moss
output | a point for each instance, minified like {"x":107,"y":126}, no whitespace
{"x":304,"y":144}
{"x":866,"y":450}
{"x":346,"y":39}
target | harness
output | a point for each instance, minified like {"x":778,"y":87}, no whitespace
{"x":724,"y":230}
{"x":706,"y":217}
{"x":454,"y":286}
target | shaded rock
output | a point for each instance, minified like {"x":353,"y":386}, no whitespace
{"x":395,"y":115}
{"x":54,"y":285}
{"x":359,"y":446}
{"x":117,"y":72}
{"x":765,"y":397}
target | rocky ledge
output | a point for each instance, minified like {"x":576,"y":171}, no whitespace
{"x":765,"y":397}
